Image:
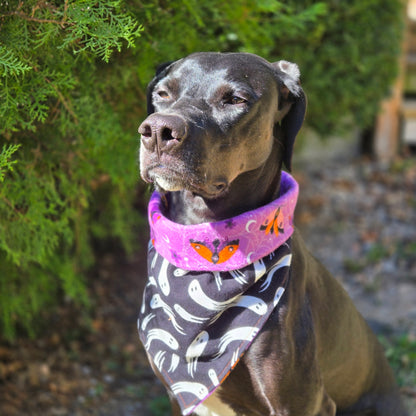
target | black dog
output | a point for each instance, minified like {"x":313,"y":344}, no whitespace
{"x":219,"y":129}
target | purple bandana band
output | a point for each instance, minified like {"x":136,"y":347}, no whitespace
{"x":229,"y":244}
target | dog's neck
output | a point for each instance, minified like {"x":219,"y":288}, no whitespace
{"x":248,"y":191}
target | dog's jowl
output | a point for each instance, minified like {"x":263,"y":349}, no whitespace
{"x":238,"y":318}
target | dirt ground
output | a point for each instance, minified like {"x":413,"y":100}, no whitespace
{"x":358,"y":218}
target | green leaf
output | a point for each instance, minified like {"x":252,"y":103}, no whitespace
{"x":10,"y":64}
{"x":5,"y":163}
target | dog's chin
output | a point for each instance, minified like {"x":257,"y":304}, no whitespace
{"x":172,"y":184}
{"x":167,"y":184}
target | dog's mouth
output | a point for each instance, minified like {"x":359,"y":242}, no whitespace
{"x":169,"y":180}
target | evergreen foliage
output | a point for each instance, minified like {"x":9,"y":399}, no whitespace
{"x":5,"y":162}
{"x":75,"y":175}
{"x":72,"y":94}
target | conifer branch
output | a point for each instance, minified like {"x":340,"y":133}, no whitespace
{"x":5,"y":163}
{"x":64,"y":102}
{"x":35,"y":19}
{"x":31,"y":18}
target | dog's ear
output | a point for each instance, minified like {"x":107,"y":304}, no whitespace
{"x":292,"y":106}
{"x":161,"y":71}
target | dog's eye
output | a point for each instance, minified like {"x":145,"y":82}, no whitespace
{"x":163,"y":94}
{"x":235,"y":99}
{"x":238,"y":100}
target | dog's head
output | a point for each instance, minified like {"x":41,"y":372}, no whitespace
{"x":215,"y":116}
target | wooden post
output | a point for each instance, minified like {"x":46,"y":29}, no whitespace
{"x":388,"y":123}
{"x":387,"y":129}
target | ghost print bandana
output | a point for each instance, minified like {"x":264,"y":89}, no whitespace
{"x":196,"y":324}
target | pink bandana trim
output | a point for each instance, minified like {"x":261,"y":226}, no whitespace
{"x":229,"y":244}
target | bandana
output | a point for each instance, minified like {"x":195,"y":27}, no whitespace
{"x":225,"y":245}
{"x":196,"y":320}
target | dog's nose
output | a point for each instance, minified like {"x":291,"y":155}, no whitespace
{"x":162,"y":131}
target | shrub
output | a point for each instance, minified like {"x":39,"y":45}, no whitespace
{"x":72,"y":87}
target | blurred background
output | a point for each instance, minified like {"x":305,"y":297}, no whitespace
{"x":73,"y":232}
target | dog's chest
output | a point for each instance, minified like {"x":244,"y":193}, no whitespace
{"x":213,"y":406}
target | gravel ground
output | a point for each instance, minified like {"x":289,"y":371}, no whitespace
{"x":358,"y":218}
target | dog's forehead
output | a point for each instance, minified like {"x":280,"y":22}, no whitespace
{"x":207,"y":70}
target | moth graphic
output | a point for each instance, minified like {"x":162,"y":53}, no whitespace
{"x":217,"y":255}
{"x":274,"y":223}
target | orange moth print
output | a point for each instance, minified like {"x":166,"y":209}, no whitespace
{"x":217,"y":255}
{"x":274,"y":223}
